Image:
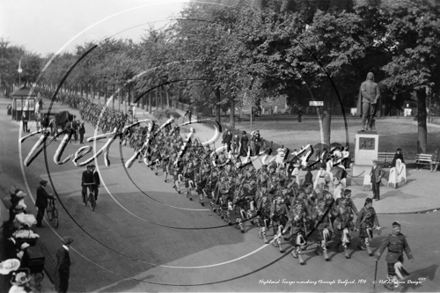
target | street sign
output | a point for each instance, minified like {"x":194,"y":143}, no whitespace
{"x":316,"y":103}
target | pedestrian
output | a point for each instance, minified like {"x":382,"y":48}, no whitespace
{"x":396,"y":244}
{"x":41,"y":202}
{"x":435,"y":158}
{"x":366,"y":222}
{"x":376,"y":174}
{"x":62,"y":269}
{"x":75,"y":126}
{"x":227,"y":139}
{"x":346,"y":159}
{"x":81,"y":131}
{"x":244,"y":144}
{"x":397,"y":155}
{"x":368,"y":95}
{"x":300,"y":113}
{"x":25,"y":120}
{"x":235,"y":143}
{"x":308,"y":178}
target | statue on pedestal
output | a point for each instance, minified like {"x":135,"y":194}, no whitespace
{"x":367,"y":102}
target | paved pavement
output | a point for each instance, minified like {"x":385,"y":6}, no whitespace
{"x":143,"y":236}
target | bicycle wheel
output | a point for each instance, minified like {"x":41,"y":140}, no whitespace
{"x":50,"y":212}
{"x":38,"y":278}
{"x":55,"y":217}
{"x":92,"y":201}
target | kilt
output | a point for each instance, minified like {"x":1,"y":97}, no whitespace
{"x":319,"y":230}
{"x":391,"y":269}
{"x":200,"y":185}
{"x":363,"y":231}
{"x":165,"y":165}
{"x":280,"y":218}
{"x":263,"y":221}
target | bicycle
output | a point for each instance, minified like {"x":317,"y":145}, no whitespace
{"x":91,"y":197}
{"x":52,"y":212}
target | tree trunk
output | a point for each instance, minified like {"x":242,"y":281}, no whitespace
{"x":326,"y":122}
{"x":422,"y":140}
{"x":218,"y":106}
{"x":232,"y":114}
{"x":150,"y":96}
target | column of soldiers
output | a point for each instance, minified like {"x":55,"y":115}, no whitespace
{"x":272,"y":196}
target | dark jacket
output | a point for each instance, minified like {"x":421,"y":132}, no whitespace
{"x":396,"y":246}
{"x":87,"y":177}
{"x":42,"y":197}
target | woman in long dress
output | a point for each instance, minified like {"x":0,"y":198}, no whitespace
{"x":244,"y":142}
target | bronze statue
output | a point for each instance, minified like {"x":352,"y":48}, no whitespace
{"x":367,"y":102}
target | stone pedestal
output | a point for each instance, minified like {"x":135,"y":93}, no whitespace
{"x":366,"y":150}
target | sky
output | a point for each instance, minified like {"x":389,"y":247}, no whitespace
{"x":51,"y":26}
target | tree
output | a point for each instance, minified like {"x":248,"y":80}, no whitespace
{"x":415,"y":31}
{"x":9,"y":59}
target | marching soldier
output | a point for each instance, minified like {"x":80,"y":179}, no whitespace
{"x":278,"y":216}
{"x":324,"y":227}
{"x":263,"y":212}
{"x":367,"y":221}
{"x":343,"y":224}
{"x":396,"y":243}
{"x":296,"y":229}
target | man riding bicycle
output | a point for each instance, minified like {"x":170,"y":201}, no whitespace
{"x":90,"y":179}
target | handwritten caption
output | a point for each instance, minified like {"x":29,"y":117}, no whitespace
{"x":345,"y":282}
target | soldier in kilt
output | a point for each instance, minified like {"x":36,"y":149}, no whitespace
{"x":295,"y":228}
{"x":324,"y":228}
{"x":366,"y":222}
{"x":343,"y":224}
{"x":396,"y":244}
{"x":263,"y":212}
{"x":278,"y":215}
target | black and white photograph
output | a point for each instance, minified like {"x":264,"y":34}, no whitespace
{"x":219,"y":146}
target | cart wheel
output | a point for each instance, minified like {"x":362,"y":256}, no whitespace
{"x":38,"y":278}
{"x":55,"y":217}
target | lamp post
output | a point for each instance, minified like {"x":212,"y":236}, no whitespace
{"x":19,"y":73}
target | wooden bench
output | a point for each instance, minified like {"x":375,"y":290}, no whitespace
{"x":423,"y":159}
{"x":385,"y":158}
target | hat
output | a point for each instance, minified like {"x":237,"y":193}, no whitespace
{"x":67,"y":240}
{"x":43,"y":182}
{"x":347,"y":191}
{"x":368,"y":200}
{"x":396,"y":224}
{"x":9,"y":265}
{"x":21,"y":278}
{"x":20,"y":194}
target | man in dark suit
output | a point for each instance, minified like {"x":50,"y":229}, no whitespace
{"x":376,"y":177}
{"x":62,"y":270}
{"x":81,"y":131}
{"x":41,"y":202}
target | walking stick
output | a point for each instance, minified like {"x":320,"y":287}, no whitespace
{"x":375,"y":276}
